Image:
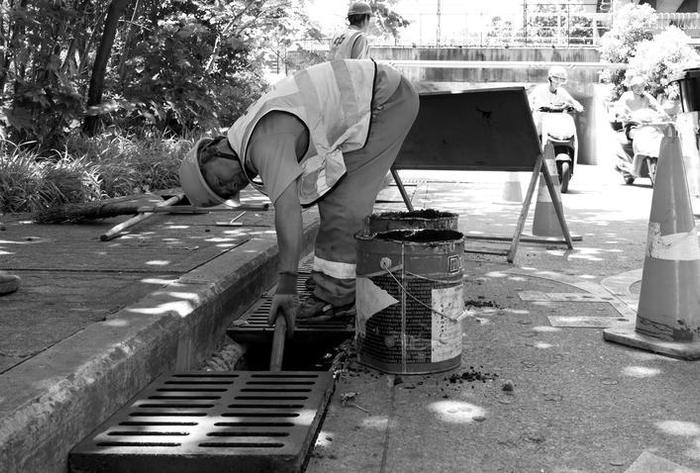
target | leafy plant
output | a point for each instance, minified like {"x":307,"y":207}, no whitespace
{"x":632,"y":24}
{"x":660,"y":59}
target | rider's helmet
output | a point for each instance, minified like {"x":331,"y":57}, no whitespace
{"x":636,"y":82}
{"x":557,"y":72}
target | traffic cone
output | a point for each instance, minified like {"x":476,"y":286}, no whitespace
{"x":545,"y":222}
{"x":668,"y":316}
{"x":512,"y":192}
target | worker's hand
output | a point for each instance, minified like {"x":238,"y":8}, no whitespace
{"x":287,"y":305}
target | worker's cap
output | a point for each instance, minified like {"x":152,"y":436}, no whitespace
{"x":359,"y":8}
{"x":558,"y":72}
{"x":193,"y":183}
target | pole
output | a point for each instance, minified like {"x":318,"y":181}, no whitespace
{"x":437,"y":42}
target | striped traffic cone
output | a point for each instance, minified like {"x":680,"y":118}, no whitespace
{"x":512,"y":192}
{"x":545,"y":222}
{"x":668,"y":316}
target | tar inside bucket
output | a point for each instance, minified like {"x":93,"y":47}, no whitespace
{"x":410,"y":300}
{"x":416,"y":219}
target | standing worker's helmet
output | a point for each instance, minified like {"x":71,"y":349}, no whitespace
{"x":359,"y":8}
{"x":557,"y":72}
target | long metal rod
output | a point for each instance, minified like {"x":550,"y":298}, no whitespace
{"x":399,"y":184}
{"x":113,"y":232}
{"x":277,"y":355}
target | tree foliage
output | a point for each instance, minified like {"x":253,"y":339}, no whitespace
{"x":174,"y":64}
{"x":662,"y":58}
{"x":632,"y":24}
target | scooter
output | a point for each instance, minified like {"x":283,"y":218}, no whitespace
{"x":641,"y":135}
{"x":558,"y":128}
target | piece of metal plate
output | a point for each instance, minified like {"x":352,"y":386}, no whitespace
{"x":537,"y":296}
{"x":238,"y":421}
{"x":252,"y":327}
{"x":573,"y":321}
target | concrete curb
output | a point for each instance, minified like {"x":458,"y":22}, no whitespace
{"x":59,"y":396}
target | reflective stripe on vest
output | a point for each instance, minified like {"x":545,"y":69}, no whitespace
{"x":333,"y":100}
{"x":342,"y":45}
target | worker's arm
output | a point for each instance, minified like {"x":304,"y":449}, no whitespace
{"x":656,"y":105}
{"x":288,"y":224}
{"x":572,"y":101}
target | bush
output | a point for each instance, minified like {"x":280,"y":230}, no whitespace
{"x":112,"y":164}
{"x":29,"y":182}
{"x":632,"y":24}
{"x":660,"y":59}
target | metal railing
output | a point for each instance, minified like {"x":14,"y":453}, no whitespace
{"x":560,"y":29}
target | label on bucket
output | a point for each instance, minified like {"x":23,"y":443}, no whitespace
{"x":369,"y":299}
{"x":448,"y":307}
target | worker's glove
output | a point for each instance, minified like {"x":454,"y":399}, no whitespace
{"x":286,"y":305}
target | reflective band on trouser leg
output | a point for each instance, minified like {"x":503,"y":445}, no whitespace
{"x":334,"y":268}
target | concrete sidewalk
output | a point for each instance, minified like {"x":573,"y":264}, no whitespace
{"x":94,"y":322}
{"x":539,"y":390}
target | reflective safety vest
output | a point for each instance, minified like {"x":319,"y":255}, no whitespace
{"x":334,"y":100}
{"x":341,"y":47}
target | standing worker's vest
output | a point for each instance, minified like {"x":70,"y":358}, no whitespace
{"x":341,"y":48}
{"x":334,"y":100}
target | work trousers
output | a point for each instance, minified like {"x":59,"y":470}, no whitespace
{"x":345,"y":206}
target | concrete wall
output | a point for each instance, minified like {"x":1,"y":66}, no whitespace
{"x":583,"y":81}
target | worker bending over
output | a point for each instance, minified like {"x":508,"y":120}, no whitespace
{"x":327,"y":136}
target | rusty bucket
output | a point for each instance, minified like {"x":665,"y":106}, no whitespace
{"x":410,"y":300}
{"x":413,"y":220}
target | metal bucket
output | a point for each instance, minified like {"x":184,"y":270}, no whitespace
{"x":414,"y":220}
{"x":410,"y":300}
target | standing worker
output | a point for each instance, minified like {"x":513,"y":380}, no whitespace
{"x":326,"y":135}
{"x":353,"y":44}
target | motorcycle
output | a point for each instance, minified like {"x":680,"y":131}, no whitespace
{"x":640,"y":139}
{"x":558,"y":128}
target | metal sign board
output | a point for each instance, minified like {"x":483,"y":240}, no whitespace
{"x":480,"y":129}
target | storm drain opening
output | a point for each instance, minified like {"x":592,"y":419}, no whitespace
{"x":312,"y":339}
{"x":257,"y":422}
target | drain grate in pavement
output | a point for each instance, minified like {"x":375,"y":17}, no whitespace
{"x":252,"y":327}
{"x":239,"y":421}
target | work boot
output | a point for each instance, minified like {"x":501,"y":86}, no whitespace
{"x":8,"y":283}
{"x":313,"y":309}
{"x":310,"y":284}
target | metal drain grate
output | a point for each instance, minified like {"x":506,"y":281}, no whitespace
{"x":240,"y":421}
{"x":252,"y":326}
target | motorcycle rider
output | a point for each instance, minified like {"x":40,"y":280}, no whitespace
{"x":634,"y":106}
{"x":551,"y":95}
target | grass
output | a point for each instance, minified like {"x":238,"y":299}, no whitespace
{"x":113,"y":164}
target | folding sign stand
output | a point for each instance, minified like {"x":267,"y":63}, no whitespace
{"x":540,"y":166}
{"x":488,"y":129}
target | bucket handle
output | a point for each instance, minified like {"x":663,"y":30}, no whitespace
{"x":387,"y":268}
